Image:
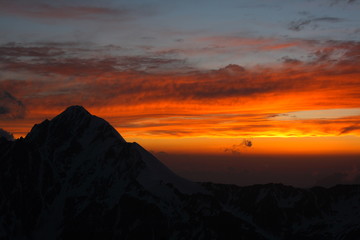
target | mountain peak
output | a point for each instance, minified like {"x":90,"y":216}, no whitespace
{"x":74,"y":123}
{"x":74,"y":115}
{"x":76,"y":110}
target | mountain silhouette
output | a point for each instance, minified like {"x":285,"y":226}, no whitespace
{"x":75,"y":177}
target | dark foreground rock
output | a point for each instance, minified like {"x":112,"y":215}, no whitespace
{"x":75,"y":177}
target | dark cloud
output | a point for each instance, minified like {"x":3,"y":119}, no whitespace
{"x":334,"y":2}
{"x":150,"y":63}
{"x":300,"y":24}
{"x":55,"y":10}
{"x":304,"y":13}
{"x":345,"y":54}
{"x":281,"y":116}
{"x":349,"y":129}
{"x":15,"y":51}
{"x":232,"y":69}
{"x":66,"y":67}
{"x":71,"y":59}
{"x":10,"y":107}
{"x":4,"y":110}
{"x":291,"y":61}
{"x":176,"y":132}
{"x":237,"y":149}
{"x":92,"y":66}
{"x":247,"y":143}
{"x":8,"y":136}
{"x":55,"y":44}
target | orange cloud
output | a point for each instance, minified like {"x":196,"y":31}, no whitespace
{"x":135,"y":94}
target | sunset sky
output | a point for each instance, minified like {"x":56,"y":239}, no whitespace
{"x":191,"y":80}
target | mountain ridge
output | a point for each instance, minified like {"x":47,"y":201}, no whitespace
{"x":75,"y":176}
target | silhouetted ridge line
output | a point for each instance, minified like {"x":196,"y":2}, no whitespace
{"x":75,"y":177}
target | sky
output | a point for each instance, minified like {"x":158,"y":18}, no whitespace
{"x":193,"y":81}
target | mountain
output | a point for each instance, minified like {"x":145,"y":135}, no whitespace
{"x":75,"y":177}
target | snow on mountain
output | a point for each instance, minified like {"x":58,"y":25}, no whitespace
{"x":75,"y":177}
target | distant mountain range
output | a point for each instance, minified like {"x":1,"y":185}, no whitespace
{"x":75,"y":177}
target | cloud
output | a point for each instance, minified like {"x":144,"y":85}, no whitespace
{"x":237,"y":149}
{"x":230,"y":47}
{"x":92,"y":66}
{"x":177,"y":99}
{"x":340,"y":54}
{"x":290,"y":61}
{"x":247,"y":143}
{"x":73,"y":59}
{"x":220,"y":44}
{"x":46,"y":10}
{"x":349,"y":129}
{"x":334,"y":2}
{"x":4,"y":110}
{"x":300,"y":24}
{"x":67,"y":67}
{"x":8,"y":136}
{"x":14,"y":51}
{"x":10,"y":107}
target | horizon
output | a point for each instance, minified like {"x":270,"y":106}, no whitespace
{"x":243,"y":168}
{"x":192,"y":82}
